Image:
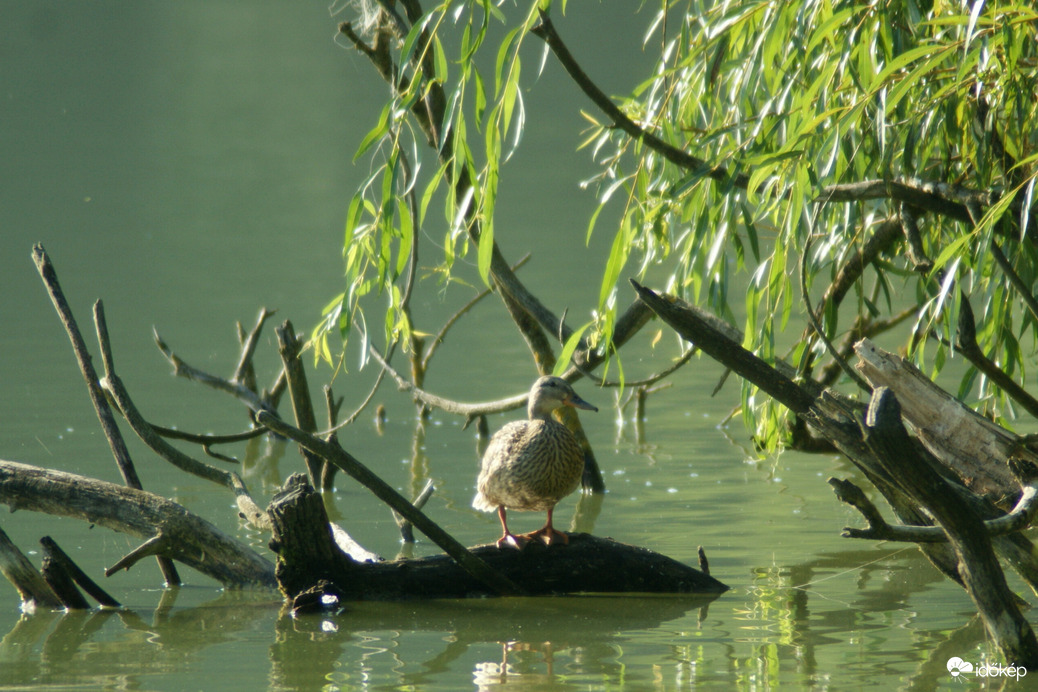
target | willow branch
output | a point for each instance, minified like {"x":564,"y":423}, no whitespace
{"x":939,"y":198}
{"x":816,"y":325}
{"x":546,"y":31}
{"x":464,"y":309}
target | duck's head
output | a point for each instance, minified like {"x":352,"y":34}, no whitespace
{"x":549,"y":393}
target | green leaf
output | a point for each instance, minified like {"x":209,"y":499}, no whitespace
{"x":486,"y":250}
{"x":376,"y":133}
{"x":568,"y":348}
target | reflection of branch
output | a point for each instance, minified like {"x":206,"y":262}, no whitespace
{"x":546,"y":31}
{"x":650,"y":380}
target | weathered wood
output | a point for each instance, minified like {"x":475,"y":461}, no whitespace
{"x":306,"y":551}
{"x":289,"y":348}
{"x":185,"y":537}
{"x":31,"y":585}
{"x":979,"y":568}
{"x":62,"y":584}
{"x":57,"y":556}
{"x":972,"y":446}
{"x":307,"y":557}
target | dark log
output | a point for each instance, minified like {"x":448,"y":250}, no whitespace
{"x":57,"y":556}
{"x":62,"y":584}
{"x":309,"y":564}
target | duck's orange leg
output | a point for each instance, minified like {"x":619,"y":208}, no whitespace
{"x":508,"y":538}
{"x":548,"y":533}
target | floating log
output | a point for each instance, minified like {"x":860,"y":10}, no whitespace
{"x":310,"y":563}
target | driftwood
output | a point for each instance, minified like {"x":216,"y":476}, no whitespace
{"x":315,"y":557}
{"x":168,"y":529}
{"x":919,"y":488}
{"x":310,"y":566}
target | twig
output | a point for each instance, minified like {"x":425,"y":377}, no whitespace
{"x":182,"y":369}
{"x":406,"y":527}
{"x":464,"y":309}
{"x":97,"y":397}
{"x":114,"y":386}
{"x":1018,"y":519}
{"x":289,"y":347}
{"x":468,"y":410}
{"x":813,"y":319}
{"x":249,"y":346}
{"x":86,"y":367}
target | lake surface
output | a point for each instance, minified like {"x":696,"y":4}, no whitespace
{"x":190,"y":163}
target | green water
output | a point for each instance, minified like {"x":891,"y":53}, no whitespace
{"x":190,"y":163}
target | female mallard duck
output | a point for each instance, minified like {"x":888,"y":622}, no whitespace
{"x":531,"y":464}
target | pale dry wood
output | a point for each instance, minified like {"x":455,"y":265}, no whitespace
{"x":975,"y":448}
{"x":167,"y":527}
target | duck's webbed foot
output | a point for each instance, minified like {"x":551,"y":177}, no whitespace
{"x":547,"y":534}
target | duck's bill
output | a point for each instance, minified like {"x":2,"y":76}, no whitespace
{"x":576,"y":402}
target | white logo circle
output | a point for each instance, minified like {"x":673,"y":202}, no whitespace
{"x":957,"y":666}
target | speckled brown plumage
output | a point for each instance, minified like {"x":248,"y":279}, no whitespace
{"x":532,"y":464}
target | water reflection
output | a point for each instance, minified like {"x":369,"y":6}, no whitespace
{"x":782,"y":628}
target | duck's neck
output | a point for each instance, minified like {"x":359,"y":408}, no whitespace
{"x":536,"y":410}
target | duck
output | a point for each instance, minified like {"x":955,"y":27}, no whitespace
{"x":529,"y":465}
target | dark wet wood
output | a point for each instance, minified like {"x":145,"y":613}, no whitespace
{"x":308,"y":559}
